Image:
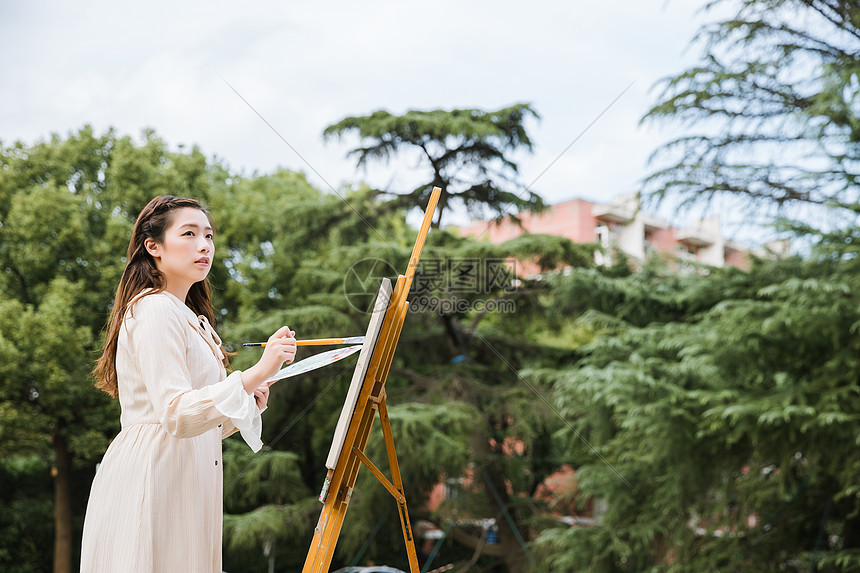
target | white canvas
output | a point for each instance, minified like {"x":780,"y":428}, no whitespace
{"x":380,"y":307}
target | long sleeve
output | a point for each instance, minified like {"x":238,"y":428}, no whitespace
{"x":229,"y":428}
{"x":159,"y":341}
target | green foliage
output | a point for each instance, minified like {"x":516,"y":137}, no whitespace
{"x":724,"y":427}
{"x":774,"y":102}
{"x":266,"y":501}
{"x":432,"y":441}
{"x":253,"y":479}
{"x":468,"y":152}
{"x":715,"y":414}
{"x":550,"y":252}
{"x":24,"y":481}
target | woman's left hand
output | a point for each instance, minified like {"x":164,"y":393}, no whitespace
{"x":261,"y":395}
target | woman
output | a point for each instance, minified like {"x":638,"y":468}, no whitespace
{"x":156,"y":499}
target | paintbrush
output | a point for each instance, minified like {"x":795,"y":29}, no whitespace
{"x":318,"y":341}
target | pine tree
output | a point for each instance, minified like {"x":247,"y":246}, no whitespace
{"x":772,"y":107}
{"x":468,"y":152}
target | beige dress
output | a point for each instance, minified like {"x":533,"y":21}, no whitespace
{"x":156,"y":500}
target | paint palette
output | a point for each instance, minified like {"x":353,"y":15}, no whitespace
{"x":314,"y":362}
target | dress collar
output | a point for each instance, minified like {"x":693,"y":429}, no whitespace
{"x":200,"y":324}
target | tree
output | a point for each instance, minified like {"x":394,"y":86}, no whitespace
{"x":439,"y":409}
{"x":66,"y":211}
{"x":718,"y":409}
{"x":451,"y":348}
{"x":467,"y":419}
{"x":775,"y":103}
{"x":468,"y":152}
{"x":725,"y":418}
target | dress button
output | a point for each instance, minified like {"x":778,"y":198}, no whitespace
{"x":216,"y":462}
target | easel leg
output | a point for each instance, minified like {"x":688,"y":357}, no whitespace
{"x":398,"y":485}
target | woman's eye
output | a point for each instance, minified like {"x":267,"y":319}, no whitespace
{"x":210,"y":236}
{"x":188,"y":233}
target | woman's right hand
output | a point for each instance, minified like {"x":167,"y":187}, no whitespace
{"x":280,"y":349}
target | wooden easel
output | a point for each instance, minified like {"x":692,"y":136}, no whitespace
{"x":340,"y":481}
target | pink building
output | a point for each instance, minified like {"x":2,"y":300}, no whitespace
{"x":623,"y":225}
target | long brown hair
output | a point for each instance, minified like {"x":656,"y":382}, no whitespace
{"x":140,"y":273}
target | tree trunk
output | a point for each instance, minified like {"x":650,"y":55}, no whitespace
{"x":456,"y":334}
{"x":62,"y":504}
{"x":514,"y":558}
{"x":851,"y":532}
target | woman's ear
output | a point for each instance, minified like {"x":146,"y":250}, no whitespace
{"x":152,"y":247}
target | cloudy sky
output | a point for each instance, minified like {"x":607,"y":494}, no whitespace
{"x":303,"y":66}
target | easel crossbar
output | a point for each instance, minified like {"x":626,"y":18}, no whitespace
{"x":377,"y":473}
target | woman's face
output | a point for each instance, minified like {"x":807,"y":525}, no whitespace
{"x":186,"y":254}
